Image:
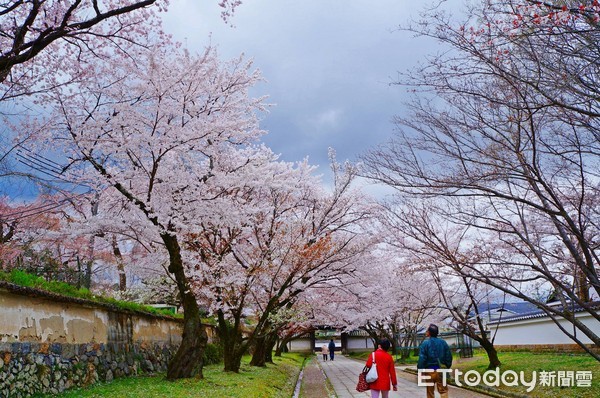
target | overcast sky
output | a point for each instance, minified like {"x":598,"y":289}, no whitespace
{"x":328,"y":66}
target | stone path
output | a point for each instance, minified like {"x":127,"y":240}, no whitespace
{"x":343,"y":375}
{"x":314,"y":381}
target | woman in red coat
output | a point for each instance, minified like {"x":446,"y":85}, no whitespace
{"x":386,"y":372}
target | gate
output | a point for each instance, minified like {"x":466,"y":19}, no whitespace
{"x":464,"y":346}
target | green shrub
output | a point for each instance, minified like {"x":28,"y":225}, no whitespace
{"x":22,"y":278}
{"x":213,"y":354}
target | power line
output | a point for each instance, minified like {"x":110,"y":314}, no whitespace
{"x":35,"y":210}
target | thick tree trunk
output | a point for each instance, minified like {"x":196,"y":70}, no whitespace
{"x":271,"y":340}
{"x":187,"y":361}
{"x":232,"y":360}
{"x":233,"y":346}
{"x":263,"y":350}
{"x":259,"y":355}
{"x":374,"y":337}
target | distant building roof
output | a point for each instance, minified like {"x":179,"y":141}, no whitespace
{"x":541,"y":314}
{"x":521,"y":307}
{"x":358,"y":333}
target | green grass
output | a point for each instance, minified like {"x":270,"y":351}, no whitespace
{"x":530,"y":361}
{"x":274,"y":381}
{"x":25,"y":279}
{"x":362,"y":355}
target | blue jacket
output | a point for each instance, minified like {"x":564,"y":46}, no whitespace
{"x":331,"y":346}
{"x":434,"y":353}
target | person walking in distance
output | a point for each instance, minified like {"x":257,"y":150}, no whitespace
{"x":386,"y":372}
{"x":434,"y":354}
{"x":324,"y":351}
{"x":331,"y":349}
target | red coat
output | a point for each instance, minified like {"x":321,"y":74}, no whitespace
{"x":386,"y":371}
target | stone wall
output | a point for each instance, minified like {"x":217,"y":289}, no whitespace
{"x":49,"y":343}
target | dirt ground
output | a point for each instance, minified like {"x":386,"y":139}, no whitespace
{"x":314,"y":382}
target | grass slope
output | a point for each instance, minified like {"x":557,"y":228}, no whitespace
{"x":274,"y":381}
{"x":550,"y":362}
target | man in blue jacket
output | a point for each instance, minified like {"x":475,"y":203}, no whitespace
{"x":435,"y":354}
{"x":331,"y":349}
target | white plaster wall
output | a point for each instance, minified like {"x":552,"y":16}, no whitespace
{"x":451,"y":340}
{"x":42,"y":320}
{"x":319,"y":343}
{"x":354,"y":344}
{"x":153,"y":330}
{"x":38,"y":320}
{"x":301,"y":345}
{"x":541,"y":331}
{"x":360,"y":344}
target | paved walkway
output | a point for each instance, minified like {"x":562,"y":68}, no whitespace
{"x":343,"y":375}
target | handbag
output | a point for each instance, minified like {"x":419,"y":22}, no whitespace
{"x":362,"y":385}
{"x":371,"y":375}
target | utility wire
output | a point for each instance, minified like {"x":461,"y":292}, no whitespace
{"x":49,"y":168}
{"x":35,"y":210}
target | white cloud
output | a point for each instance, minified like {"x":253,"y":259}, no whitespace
{"x":327,"y":120}
{"x":328,"y":65}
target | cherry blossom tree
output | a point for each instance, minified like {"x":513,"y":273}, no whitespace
{"x":388,"y":298}
{"x":415,"y":307}
{"x":294,"y":324}
{"x":48,"y":42}
{"x":327,"y":242}
{"x":374,"y":307}
{"x":7,"y":227}
{"x":109,"y":246}
{"x":442,"y":254}
{"x":39,"y":35}
{"x":503,"y":131}
{"x":164,"y":144}
{"x":293,"y":237}
{"x":27,"y":233}
{"x":237,"y":250}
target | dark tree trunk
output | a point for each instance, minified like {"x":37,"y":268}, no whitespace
{"x":270,"y":342}
{"x":120,"y":264}
{"x":344,"y":339}
{"x":260,"y":352}
{"x":87,"y":278}
{"x":488,"y":346}
{"x":6,"y":236}
{"x":233,"y":346}
{"x":187,"y":361}
{"x":373,"y":335}
{"x":263,"y":350}
{"x":406,"y":343}
{"x":282,"y":345}
{"x":491,"y":353}
{"x":405,"y":353}
{"x":232,"y":360}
